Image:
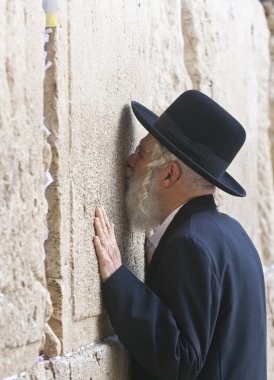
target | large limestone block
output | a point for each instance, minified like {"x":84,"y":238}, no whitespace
{"x":23,"y":294}
{"x":227,"y":56}
{"x":99,"y":66}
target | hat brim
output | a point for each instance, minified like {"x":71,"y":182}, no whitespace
{"x":147,"y":118}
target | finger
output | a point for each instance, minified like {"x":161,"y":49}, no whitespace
{"x":112,"y":232}
{"x":106,"y":226}
{"x":107,"y":223}
{"x":96,"y":225}
{"x":98,"y":229}
{"x":97,"y":246}
{"x":100,"y":215}
{"x":99,"y":250}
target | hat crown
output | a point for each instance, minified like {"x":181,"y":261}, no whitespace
{"x":205,"y":122}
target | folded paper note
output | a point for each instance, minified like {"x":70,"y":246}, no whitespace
{"x":48,"y":65}
{"x":51,"y":20}
{"x":51,"y":8}
{"x":46,"y":132}
{"x":48,"y":179}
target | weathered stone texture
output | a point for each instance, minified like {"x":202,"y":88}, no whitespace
{"x":23,"y":294}
{"x":166,"y":71}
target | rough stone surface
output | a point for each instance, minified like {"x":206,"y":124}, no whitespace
{"x":23,"y":294}
{"x":167,"y":73}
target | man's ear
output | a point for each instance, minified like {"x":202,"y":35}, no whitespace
{"x":171,"y":174}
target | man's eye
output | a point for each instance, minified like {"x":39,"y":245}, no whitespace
{"x":138,"y":150}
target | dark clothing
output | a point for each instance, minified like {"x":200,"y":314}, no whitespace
{"x":201,"y":314}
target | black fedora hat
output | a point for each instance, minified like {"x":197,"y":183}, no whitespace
{"x":200,"y":133}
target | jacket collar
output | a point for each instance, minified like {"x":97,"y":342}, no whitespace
{"x":203,"y":202}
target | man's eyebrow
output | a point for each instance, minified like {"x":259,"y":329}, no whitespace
{"x":141,"y":144}
{"x":143,"y":147}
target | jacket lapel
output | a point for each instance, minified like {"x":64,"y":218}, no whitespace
{"x":203,"y":202}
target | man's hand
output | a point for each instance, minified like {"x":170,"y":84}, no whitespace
{"x":107,"y":251}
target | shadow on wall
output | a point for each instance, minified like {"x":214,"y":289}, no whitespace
{"x":126,"y":134}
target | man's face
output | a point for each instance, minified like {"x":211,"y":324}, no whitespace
{"x":143,"y":201}
{"x":138,"y":161}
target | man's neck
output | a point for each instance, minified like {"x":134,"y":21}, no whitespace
{"x":171,"y":206}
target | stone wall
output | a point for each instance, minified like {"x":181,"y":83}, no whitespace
{"x":24,"y":299}
{"x":105,"y":54}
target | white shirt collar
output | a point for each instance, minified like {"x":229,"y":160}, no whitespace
{"x":160,"y":230}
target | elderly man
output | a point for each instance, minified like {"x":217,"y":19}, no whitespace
{"x":201,"y":312}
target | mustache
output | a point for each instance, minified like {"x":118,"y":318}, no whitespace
{"x":129,"y":178}
{"x":129,"y":173}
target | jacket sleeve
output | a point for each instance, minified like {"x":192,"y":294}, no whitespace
{"x":168,"y":334}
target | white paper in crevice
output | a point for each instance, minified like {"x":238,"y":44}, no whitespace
{"x":268,"y":269}
{"x":48,"y":65}
{"x":50,"y":6}
{"x":46,"y":40}
{"x":46,"y":131}
{"x":46,"y":37}
{"x":43,"y":253}
{"x":46,"y":234}
{"x":47,"y":179}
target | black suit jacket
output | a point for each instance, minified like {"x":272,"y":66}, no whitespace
{"x":201,"y":313}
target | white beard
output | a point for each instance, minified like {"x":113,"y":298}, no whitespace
{"x":149,"y":215}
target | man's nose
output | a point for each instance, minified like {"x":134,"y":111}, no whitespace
{"x":131,"y":160}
